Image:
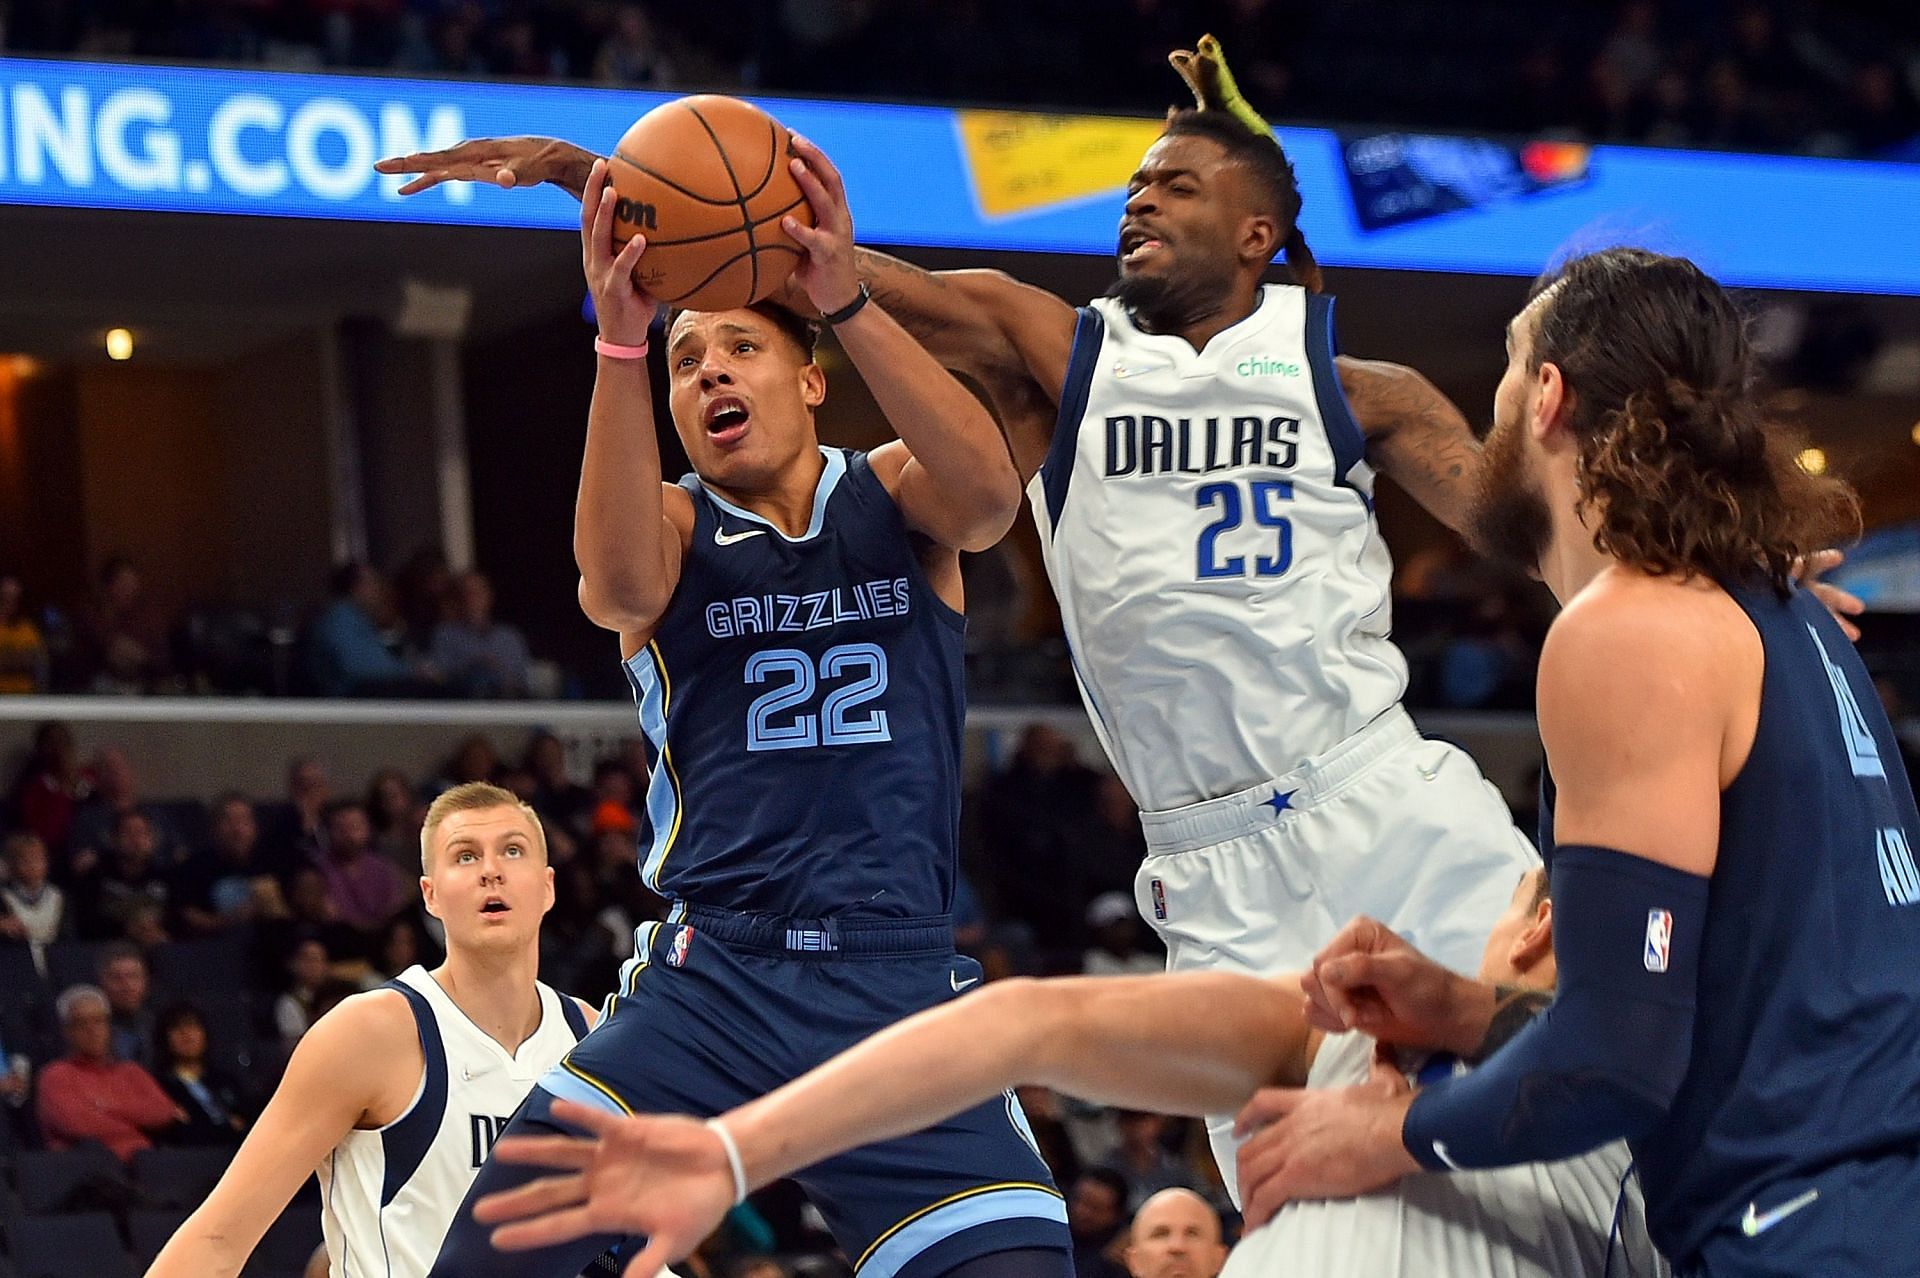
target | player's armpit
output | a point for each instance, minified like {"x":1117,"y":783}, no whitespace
{"x":1415,"y":436}
{"x":349,"y":1063}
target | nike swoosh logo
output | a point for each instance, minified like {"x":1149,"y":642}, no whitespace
{"x":1440,"y":1152}
{"x":727,"y":539}
{"x":1759,"y":1222}
{"x":953,"y":979}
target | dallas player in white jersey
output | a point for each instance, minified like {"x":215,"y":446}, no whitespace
{"x":1183,"y":1043}
{"x":395,"y":1096}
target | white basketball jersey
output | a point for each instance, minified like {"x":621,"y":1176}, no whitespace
{"x":389,"y":1195}
{"x":1207,"y":521}
{"x":1543,"y":1220}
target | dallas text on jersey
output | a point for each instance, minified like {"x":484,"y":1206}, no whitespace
{"x":1149,"y":445}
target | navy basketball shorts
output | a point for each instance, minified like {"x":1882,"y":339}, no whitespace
{"x":1858,"y":1219}
{"x":719,"y":1008}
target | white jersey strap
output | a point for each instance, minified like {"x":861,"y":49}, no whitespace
{"x":406,"y":1142}
{"x":1056,"y":471}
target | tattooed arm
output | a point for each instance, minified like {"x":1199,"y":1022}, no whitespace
{"x":1415,"y":436}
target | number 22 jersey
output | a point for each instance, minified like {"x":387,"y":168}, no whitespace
{"x":802,"y":701}
{"x":1207,"y":520}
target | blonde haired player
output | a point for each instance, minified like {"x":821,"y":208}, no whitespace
{"x":395,"y":1096}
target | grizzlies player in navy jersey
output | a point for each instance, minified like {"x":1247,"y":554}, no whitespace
{"x":1737,"y":903}
{"x":789,"y":618}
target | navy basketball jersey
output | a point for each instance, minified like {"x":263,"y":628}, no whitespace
{"x":1806,"y":1042}
{"x":803,"y":699}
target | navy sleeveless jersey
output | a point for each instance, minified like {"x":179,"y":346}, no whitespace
{"x":1806,"y":1042}
{"x":802,"y":701}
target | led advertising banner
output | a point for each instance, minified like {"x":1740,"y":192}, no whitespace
{"x":262,"y":143}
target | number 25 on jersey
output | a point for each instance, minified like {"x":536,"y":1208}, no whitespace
{"x":1262,"y":502}
{"x":775,"y":723}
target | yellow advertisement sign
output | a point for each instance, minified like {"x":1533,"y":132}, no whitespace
{"x":1021,"y":162}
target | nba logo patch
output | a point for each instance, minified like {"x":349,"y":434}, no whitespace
{"x":677,"y":956}
{"x":1659,"y":939}
{"x":1159,"y":901}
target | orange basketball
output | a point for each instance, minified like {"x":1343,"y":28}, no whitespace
{"x":705,"y":179}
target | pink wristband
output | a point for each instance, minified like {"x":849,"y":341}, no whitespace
{"x":613,"y":350}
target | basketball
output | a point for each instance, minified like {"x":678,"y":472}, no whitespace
{"x":705,"y":179}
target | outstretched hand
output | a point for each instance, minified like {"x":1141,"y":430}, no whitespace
{"x":827,"y":271}
{"x":505,"y":162}
{"x":1840,"y":603}
{"x":663,"y":1178}
{"x":1324,"y":1143}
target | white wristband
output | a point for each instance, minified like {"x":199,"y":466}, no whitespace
{"x":739,"y":1169}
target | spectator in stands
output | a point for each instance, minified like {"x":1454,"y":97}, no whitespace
{"x":1096,"y":1213}
{"x":127,"y":983}
{"x":128,"y":878}
{"x":115,"y":790}
{"x":32,"y":909}
{"x":1117,"y":949}
{"x":476,"y":655}
{"x":475,"y":760}
{"x":227,"y":883}
{"x":1031,"y":817}
{"x":1175,"y":1234}
{"x":48,"y":789}
{"x":397,"y":814}
{"x":557,"y":797}
{"x":1045,"y":1120}
{"x":1142,"y":1160}
{"x":364,"y":887}
{"x":632,"y":54}
{"x":348,"y":654}
{"x":295,"y":834}
{"x":402,"y":944}
{"x":122,"y":634}
{"x":308,"y":976}
{"x":314,"y":918}
{"x":209,"y":1098}
{"x":423,"y":587}
{"x":16,"y":1087}
{"x":23,"y":649}
{"x":1881,"y":114}
{"x":90,"y":1095}
{"x":1898,"y":714}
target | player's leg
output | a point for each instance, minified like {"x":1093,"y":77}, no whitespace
{"x":947,"y":1199}
{"x":468,"y":1251}
{"x":1439,"y":847}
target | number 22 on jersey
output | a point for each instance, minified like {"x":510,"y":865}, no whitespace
{"x":774,"y":721}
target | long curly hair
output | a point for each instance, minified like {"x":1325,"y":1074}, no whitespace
{"x":1680,"y":470}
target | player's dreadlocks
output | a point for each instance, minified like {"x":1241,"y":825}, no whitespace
{"x":1223,"y":115}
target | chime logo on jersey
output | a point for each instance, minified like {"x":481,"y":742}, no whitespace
{"x":677,"y":956}
{"x":1659,"y":940}
{"x":1159,"y":901}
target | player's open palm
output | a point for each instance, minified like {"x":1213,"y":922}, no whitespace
{"x":663,"y":1178}
{"x":1368,"y":978}
{"x":504,"y":162}
{"x":624,"y":309}
{"x":827,"y":272}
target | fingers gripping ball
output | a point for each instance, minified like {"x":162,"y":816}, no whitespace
{"x":706,"y":180}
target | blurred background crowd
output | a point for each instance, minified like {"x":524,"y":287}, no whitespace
{"x":1837,"y":77}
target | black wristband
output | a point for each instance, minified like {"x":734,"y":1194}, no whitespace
{"x":851,"y":309}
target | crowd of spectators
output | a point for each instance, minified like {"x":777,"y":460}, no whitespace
{"x":430,"y":633}
{"x":1743,"y":74}
{"x":160,"y":956}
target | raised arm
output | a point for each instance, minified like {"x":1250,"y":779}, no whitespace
{"x":1012,"y":339}
{"x":1415,"y":436}
{"x":950,"y":471}
{"x":344,"y":1068}
{"x":626,"y":544}
{"x":1189,"y":1043}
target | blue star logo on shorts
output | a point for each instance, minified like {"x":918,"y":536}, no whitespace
{"x":1282,"y":801}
